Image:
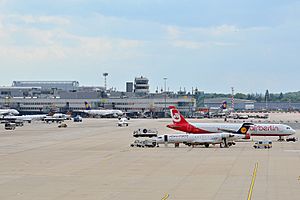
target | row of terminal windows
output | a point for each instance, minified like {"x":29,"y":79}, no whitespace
{"x":49,"y":104}
{"x":156,"y":103}
{"x":31,"y":108}
{"x":39,"y":108}
{"x":124,"y":103}
{"x":37,"y":103}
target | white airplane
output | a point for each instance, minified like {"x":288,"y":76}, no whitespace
{"x":101,"y":113}
{"x":179,"y":123}
{"x":123,"y":122}
{"x":61,"y":115}
{"x":57,"y":117}
{"x":4,"y":112}
{"x":219,"y":111}
{"x":225,"y":139}
{"x":27,"y":118}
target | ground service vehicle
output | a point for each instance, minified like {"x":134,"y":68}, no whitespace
{"x":62,"y":125}
{"x":145,"y":133}
{"x":19,"y":123}
{"x":263,"y":144}
{"x":77,"y":119}
{"x":150,"y":143}
{"x":292,"y":139}
{"x":143,"y":143}
{"x":123,"y":122}
{"x":10,"y":126}
{"x":137,"y":143}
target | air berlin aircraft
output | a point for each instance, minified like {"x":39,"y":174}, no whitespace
{"x":180,"y":124}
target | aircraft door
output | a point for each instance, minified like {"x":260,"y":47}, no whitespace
{"x":166,"y":138}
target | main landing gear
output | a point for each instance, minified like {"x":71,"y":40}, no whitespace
{"x":281,"y":139}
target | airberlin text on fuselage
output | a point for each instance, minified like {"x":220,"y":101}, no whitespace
{"x":264,"y":128}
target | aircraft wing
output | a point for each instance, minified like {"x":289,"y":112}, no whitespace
{"x":4,"y":114}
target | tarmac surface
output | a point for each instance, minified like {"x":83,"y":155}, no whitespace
{"x":93,"y":161}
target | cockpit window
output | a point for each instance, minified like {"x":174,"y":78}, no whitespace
{"x":288,"y":128}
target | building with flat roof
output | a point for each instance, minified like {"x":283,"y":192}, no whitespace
{"x":45,"y":105}
{"x":48,"y":85}
{"x":6,"y":92}
{"x":129,"y":86}
{"x":239,"y":104}
{"x":30,"y":97}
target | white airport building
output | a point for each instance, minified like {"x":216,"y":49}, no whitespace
{"x":30,"y":97}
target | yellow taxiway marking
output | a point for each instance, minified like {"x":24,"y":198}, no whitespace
{"x":165,"y":197}
{"x":252,"y":182}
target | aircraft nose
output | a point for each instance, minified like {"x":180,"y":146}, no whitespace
{"x":293,"y":131}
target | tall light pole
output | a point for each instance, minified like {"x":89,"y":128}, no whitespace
{"x":165,"y":79}
{"x":232,"y":98}
{"x":105,"y":75}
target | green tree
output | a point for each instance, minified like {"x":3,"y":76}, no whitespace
{"x":267,"y":95}
{"x":280,"y":96}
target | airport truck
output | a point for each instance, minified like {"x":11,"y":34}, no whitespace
{"x":143,"y":143}
{"x":145,"y":133}
{"x":137,"y":143}
{"x":263,"y":144}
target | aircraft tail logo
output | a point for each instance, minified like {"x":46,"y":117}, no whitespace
{"x":87,"y":105}
{"x":176,"y":116}
{"x":244,"y":129}
{"x":224,"y":105}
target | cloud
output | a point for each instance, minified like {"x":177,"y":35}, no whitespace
{"x":214,"y":36}
{"x":173,"y":32}
{"x":106,"y":37}
{"x":30,"y":19}
{"x":130,"y":43}
{"x":188,"y":44}
{"x":224,"y":29}
{"x":30,"y":43}
{"x":2,"y":2}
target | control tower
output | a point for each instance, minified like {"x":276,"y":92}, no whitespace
{"x":141,"y":85}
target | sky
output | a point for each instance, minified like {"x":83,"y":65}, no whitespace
{"x":212,"y":45}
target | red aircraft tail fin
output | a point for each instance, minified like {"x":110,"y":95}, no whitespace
{"x":177,"y":118}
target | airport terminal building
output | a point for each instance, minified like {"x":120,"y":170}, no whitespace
{"x":31,"y":97}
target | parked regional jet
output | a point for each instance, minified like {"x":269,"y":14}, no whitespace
{"x":179,"y":123}
{"x":221,"y":111}
{"x":101,"y":113}
{"x":4,"y":112}
{"x":224,"y":138}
